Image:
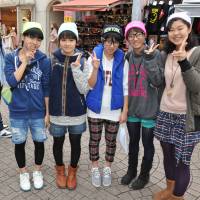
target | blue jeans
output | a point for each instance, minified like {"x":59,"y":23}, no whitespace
{"x":20,"y":127}
{"x":59,"y":130}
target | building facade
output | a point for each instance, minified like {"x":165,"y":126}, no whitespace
{"x":12,"y":13}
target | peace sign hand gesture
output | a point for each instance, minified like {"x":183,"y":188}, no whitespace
{"x":95,"y":61}
{"x":181,"y":54}
{"x":151,"y":49}
{"x":77,"y":63}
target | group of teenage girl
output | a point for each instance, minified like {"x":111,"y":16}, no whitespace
{"x":156,"y":93}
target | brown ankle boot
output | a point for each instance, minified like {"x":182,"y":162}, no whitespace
{"x":166,"y":193}
{"x":71,"y":178}
{"x":61,"y":176}
{"x":173,"y":197}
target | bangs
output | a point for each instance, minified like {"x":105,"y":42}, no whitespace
{"x":113,"y":36}
{"x":34,"y":33}
{"x":67,"y":35}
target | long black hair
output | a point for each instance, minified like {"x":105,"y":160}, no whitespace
{"x":170,"y":47}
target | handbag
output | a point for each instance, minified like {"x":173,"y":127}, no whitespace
{"x":6,"y":94}
{"x":123,"y":138}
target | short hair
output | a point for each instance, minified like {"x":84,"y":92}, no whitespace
{"x":34,"y":32}
{"x":67,"y":35}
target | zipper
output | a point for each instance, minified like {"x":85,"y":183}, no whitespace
{"x":81,"y":101}
{"x":64,"y":86}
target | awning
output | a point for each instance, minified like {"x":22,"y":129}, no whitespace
{"x":193,"y":10}
{"x":88,"y":5}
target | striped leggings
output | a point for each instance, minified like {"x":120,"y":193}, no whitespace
{"x":95,"y":128}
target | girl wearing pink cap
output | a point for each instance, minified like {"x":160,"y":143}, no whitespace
{"x":178,"y":122}
{"x":145,"y":76}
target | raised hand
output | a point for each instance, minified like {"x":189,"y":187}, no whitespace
{"x":95,"y":61}
{"x":77,"y":63}
{"x":151,"y":49}
{"x":26,"y":56}
{"x":181,"y":53}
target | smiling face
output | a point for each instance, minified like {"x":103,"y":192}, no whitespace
{"x":67,"y":42}
{"x":178,"y":31}
{"x":110,"y":46}
{"x":136,"y":39}
{"x":31,"y":43}
{"x":67,"y":46}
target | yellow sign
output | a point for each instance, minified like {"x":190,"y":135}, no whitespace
{"x":68,"y":19}
{"x":68,"y":16}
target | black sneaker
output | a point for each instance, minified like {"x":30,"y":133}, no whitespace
{"x":139,"y":183}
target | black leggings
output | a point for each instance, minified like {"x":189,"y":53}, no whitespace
{"x":179,"y":172}
{"x":20,"y":153}
{"x":75,"y":142}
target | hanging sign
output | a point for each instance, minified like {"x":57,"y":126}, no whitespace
{"x":68,"y":16}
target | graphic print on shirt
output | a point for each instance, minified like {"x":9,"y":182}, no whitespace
{"x":108,"y":77}
{"x":32,"y":80}
{"x":136,"y":79}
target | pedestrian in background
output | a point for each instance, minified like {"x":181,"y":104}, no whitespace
{"x":67,"y":102}
{"x":53,"y":43}
{"x":178,"y":122}
{"x":4,"y":132}
{"x":107,"y":100}
{"x":145,"y":76}
{"x":27,"y":72}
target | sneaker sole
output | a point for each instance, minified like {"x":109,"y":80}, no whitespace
{"x":25,"y":190}
{"x":105,"y":185}
{"x":38,"y":188}
{"x":96,"y":185}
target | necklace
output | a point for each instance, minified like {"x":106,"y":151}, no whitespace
{"x":169,"y":92}
{"x":137,"y":70}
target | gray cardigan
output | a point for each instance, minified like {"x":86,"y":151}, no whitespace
{"x":191,"y":78}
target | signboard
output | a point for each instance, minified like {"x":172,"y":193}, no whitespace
{"x":68,"y":16}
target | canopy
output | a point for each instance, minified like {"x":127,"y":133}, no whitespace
{"x":88,"y":5}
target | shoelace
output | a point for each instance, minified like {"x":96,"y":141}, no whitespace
{"x":95,"y":171}
{"x":107,"y":171}
{"x":24,"y":177}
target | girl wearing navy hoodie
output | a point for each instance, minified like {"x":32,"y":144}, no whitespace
{"x":27,"y":71}
{"x":67,"y":102}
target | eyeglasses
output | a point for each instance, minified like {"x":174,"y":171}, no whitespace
{"x":138,"y":35}
{"x":110,"y":42}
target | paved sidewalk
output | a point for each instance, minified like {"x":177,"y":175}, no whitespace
{"x":9,"y":178}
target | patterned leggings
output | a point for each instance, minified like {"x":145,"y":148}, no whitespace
{"x":95,"y":128}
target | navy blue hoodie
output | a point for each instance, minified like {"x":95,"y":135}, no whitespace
{"x":28,"y":93}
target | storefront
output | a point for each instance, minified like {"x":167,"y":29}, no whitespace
{"x":12,"y":12}
{"x":92,"y":15}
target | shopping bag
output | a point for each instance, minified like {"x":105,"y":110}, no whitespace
{"x":123,"y":138}
{"x":6,"y":94}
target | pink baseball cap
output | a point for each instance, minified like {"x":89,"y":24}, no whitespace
{"x":135,"y":24}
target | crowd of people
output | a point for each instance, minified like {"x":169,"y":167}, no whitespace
{"x":157,"y":94}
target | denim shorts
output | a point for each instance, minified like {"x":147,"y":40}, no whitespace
{"x":146,"y":123}
{"x":20,"y":127}
{"x":60,"y":130}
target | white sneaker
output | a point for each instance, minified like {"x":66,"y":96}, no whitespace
{"x":38,"y":180}
{"x":25,"y":184}
{"x":5,"y":133}
{"x":96,"y":177}
{"x":107,"y":178}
